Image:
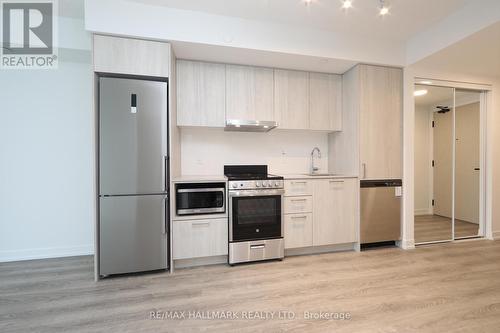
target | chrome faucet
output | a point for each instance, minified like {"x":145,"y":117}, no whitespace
{"x":314,"y":169}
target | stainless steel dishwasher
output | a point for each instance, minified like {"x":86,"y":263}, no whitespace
{"x":380,"y":211}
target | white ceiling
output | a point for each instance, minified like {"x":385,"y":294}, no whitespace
{"x":477,"y":55}
{"x":407,"y":17}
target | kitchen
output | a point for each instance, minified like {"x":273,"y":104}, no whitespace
{"x":271,"y":160}
{"x":314,"y":211}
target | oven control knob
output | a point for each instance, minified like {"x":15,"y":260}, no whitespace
{"x":265,"y":183}
{"x":277,"y":184}
{"x":235,"y":185}
{"x":257,"y":184}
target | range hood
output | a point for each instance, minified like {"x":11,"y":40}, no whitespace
{"x":249,"y":125}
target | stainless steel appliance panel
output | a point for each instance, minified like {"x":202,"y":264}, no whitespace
{"x":240,"y":252}
{"x":380,"y":212}
{"x":133,"y":233}
{"x":200,"y":198}
{"x":133,"y":140}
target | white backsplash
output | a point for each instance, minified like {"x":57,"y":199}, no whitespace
{"x":205,"y":151}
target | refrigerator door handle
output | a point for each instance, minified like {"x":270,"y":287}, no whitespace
{"x":164,"y":202}
{"x":164,"y":172}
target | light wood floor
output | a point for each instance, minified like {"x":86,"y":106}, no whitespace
{"x":429,"y":228}
{"x":452,"y":287}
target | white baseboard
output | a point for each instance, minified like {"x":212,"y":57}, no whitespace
{"x":45,"y":253}
{"x":496,"y":234}
{"x":422,"y":211}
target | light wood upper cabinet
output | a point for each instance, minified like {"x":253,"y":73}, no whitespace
{"x":131,"y":56}
{"x":201,"y":94}
{"x":380,"y":130}
{"x":249,"y":93}
{"x":291,"y":99}
{"x":325,"y":102}
{"x":334,"y":211}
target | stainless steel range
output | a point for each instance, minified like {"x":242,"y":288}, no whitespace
{"x":255,"y":214}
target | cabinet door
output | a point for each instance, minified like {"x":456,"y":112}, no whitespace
{"x":325,"y":102}
{"x":381,"y":122}
{"x":291,"y":99}
{"x":298,"y":230}
{"x":131,"y":56}
{"x":201,"y":90}
{"x":249,"y":93}
{"x":199,"y":238}
{"x":334,"y":211}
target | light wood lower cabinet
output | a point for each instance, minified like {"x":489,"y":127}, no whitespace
{"x":298,"y":230}
{"x":294,"y":205}
{"x":199,"y":238}
{"x":334,"y":211}
{"x":298,"y":187}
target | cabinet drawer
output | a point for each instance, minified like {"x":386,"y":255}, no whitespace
{"x":298,"y":187}
{"x":295,"y":205}
{"x":298,"y":230}
{"x":199,"y":238}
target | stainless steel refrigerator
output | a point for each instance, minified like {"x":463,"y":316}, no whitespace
{"x":133,"y":175}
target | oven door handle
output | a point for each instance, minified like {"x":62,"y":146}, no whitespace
{"x":255,"y":193}
{"x":200,"y":190}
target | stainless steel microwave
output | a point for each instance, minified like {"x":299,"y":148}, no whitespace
{"x":200,"y":198}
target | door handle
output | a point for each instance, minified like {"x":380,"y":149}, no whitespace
{"x":476,"y":169}
{"x":364,"y":170}
{"x":164,"y":201}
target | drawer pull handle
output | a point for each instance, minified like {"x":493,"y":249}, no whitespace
{"x":336,"y":181}
{"x":195,"y":224}
{"x":297,"y":200}
{"x":299,"y":217}
{"x":295,"y":182}
{"x":260,"y":246}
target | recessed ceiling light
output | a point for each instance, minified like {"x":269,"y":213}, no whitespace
{"x":346,"y":4}
{"x":384,"y":10}
{"x":420,"y":92}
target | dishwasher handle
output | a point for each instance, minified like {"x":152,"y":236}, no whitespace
{"x":381,"y":183}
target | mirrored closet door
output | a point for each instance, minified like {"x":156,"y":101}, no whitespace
{"x":433,"y":163}
{"x":447,"y":164}
{"x":467,"y":164}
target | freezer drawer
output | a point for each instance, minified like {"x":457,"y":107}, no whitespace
{"x":133,"y":235}
{"x":380,"y":211}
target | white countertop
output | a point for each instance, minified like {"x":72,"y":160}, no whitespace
{"x":199,"y":178}
{"x":222,"y":178}
{"x":299,"y":176}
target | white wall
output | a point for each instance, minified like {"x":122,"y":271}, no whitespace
{"x":205,"y":151}
{"x":423,"y":158}
{"x":46,"y":202}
